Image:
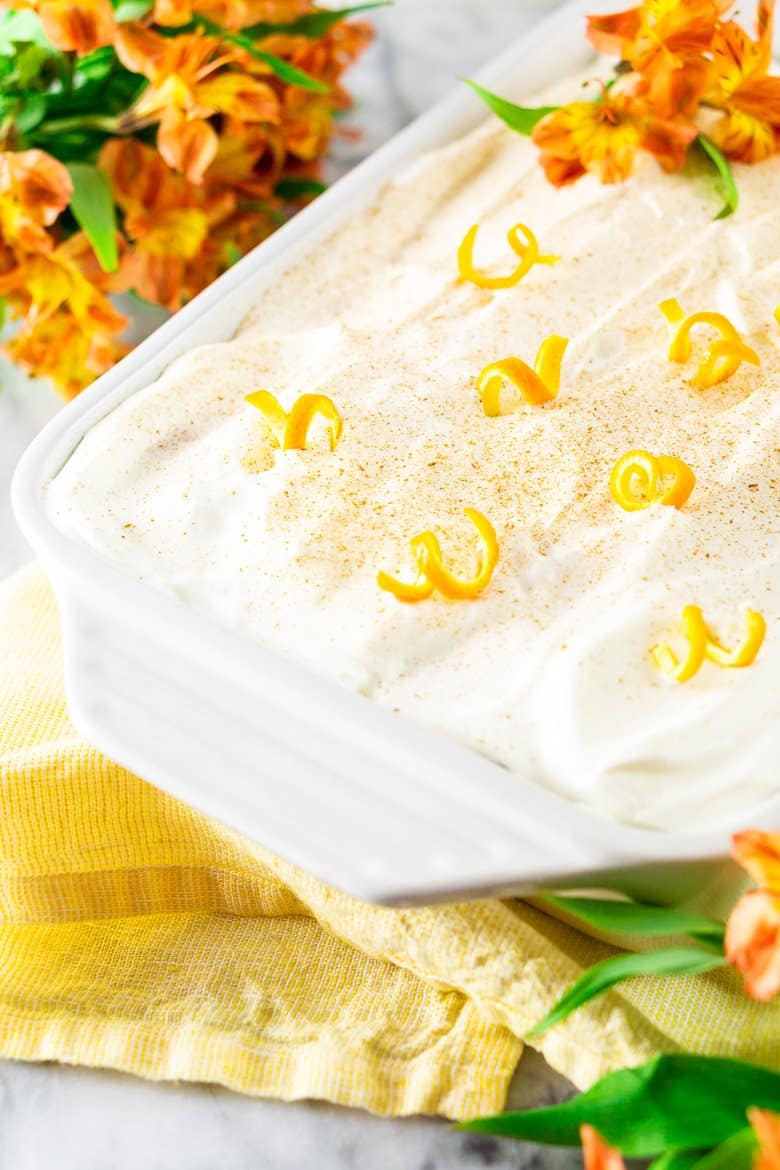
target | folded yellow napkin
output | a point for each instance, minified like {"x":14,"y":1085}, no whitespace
{"x":139,"y":935}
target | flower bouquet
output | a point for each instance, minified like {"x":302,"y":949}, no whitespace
{"x":146,"y":146}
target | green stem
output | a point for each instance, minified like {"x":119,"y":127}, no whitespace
{"x":86,"y":122}
{"x":68,"y":67}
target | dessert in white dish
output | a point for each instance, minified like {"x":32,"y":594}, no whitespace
{"x":549,"y":669}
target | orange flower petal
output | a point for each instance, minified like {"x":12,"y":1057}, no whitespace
{"x":753,"y":943}
{"x":34,"y":189}
{"x":612,"y":34}
{"x":759,"y":853}
{"x":60,"y":348}
{"x":178,"y":232}
{"x":761,"y":97}
{"x":597,"y":1153}
{"x":78,"y":27}
{"x":743,"y":137}
{"x":561,"y":171}
{"x":172,"y":13}
{"x":141,"y":50}
{"x":138,"y":175}
{"x":668,"y":140}
{"x":767,"y":1129}
{"x":187,"y":145}
{"x":602,"y":136}
{"x":239,"y":96}
{"x":749,"y":129}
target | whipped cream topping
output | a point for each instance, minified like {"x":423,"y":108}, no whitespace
{"x":549,"y":670}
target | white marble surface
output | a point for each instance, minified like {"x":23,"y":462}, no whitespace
{"x":56,"y":1118}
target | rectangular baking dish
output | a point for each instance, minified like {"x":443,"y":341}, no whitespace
{"x":361,"y":797}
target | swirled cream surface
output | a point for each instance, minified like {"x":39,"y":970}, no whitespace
{"x":549,"y":670}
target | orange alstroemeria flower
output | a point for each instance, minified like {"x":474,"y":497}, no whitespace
{"x":599,"y":1155}
{"x":46,"y":282}
{"x":749,"y":127}
{"x":759,"y":854}
{"x":234,"y":236}
{"x":307,"y":117}
{"x":667,"y":43}
{"x":190,"y":82}
{"x":604,"y":136}
{"x":34,"y":189}
{"x":753,"y":933}
{"x":249,"y":159}
{"x":60,"y":348}
{"x":766,"y":1126}
{"x":325,"y":57}
{"x":70,"y":327}
{"x":166,"y":220}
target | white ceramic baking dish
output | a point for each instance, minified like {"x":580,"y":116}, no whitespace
{"x":363,"y":798}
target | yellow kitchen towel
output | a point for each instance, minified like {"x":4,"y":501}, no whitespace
{"x":137,"y":934}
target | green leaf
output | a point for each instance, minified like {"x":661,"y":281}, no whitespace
{"x":601,"y":976}
{"x":31,"y":113}
{"x":292,"y":188}
{"x":677,"y":1101}
{"x":519,"y":118}
{"x":95,"y":66}
{"x":312,"y":24}
{"x":2,"y":312}
{"x":132,"y":10}
{"x":279,"y":67}
{"x":736,"y":1153}
{"x":676,"y":1160}
{"x":93,"y":208}
{"x":635,"y":919}
{"x":728,"y":184}
{"x":30,"y":61}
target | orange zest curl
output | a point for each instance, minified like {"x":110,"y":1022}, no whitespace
{"x":702,"y":644}
{"x":534,"y":386}
{"x":696,"y":633}
{"x":431,"y":571}
{"x":523,"y":243}
{"x":724,"y":356}
{"x":291,"y":429}
{"x":638,"y":480}
{"x":746,"y":652}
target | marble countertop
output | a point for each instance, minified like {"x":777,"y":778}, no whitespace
{"x":57,"y":1118}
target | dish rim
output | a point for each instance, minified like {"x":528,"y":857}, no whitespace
{"x":100,"y":583}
